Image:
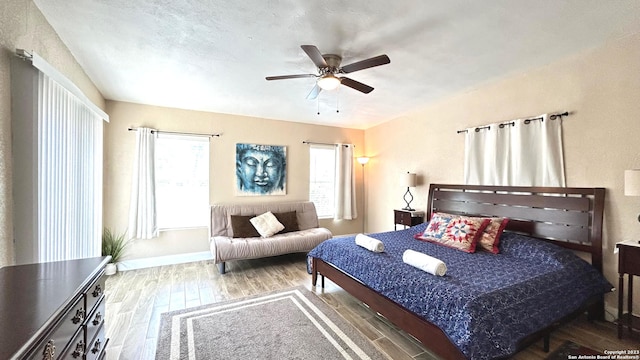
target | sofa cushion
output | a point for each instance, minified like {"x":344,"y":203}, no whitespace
{"x":221,"y":214}
{"x":289,"y":219}
{"x":242,"y":227}
{"x":225,"y":248}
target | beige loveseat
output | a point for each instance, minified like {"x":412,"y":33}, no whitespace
{"x":225,"y":247}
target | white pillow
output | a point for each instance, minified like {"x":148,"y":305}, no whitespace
{"x":266,"y":224}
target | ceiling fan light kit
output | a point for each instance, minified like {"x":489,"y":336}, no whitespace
{"x":329,"y":66}
{"x":328,"y":82}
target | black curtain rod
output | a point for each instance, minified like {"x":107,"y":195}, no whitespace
{"x":511,"y":123}
{"x":177,"y":133}
{"x":319,"y":143}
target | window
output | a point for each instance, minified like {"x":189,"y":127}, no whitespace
{"x":58,"y":192}
{"x":182,"y":181}
{"x":322,"y":176}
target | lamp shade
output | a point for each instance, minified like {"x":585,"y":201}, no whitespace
{"x":409,"y":180}
{"x":632,"y":182}
{"x":363,"y":160}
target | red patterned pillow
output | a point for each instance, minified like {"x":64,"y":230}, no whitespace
{"x":491,"y":236}
{"x":456,"y":231}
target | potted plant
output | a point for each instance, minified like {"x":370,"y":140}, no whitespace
{"x":113,"y":244}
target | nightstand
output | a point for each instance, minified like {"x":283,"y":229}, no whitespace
{"x":407,"y":218}
{"x":628,"y":263}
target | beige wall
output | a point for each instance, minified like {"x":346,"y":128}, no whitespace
{"x":119,"y":145}
{"x":600,"y":88}
{"x":23,"y":26}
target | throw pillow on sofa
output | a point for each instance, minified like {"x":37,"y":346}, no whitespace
{"x":267,"y":224}
{"x":242,"y":227}
{"x":289,"y":219}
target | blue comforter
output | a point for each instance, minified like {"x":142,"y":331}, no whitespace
{"x":487,"y":302}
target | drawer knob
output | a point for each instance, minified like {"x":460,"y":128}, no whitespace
{"x":97,"y":291}
{"x":96,"y":346}
{"x":49,"y":350}
{"x":79,"y":351}
{"x":97,"y":319}
{"x":79,"y":316}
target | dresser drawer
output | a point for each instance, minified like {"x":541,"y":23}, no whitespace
{"x":628,"y":260}
{"x":75,"y":349}
{"x":59,"y":339}
{"x":95,"y":293}
{"x":402,"y":217}
{"x":96,"y":347}
{"x":408,"y":218}
{"x":95,"y":321}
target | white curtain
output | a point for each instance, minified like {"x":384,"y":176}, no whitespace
{"x":143,"y":219}
{"x":523,"y":154}
{"x":69,"y":182}
{"x":345,"y":184}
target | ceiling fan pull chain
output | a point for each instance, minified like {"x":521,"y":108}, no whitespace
{"x":338,"y":101}
{"x":318,"y":100}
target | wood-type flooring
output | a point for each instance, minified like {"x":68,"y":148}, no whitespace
{"x":136,"y":298}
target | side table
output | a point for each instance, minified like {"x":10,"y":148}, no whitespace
{"x":407,"y":218}
{"x":628,"y":263}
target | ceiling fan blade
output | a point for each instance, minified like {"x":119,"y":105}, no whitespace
{"x":314,"y":92}
{"x":365,"y":64}
{"x":357,"y":85}
{"x":315,"y":55}
{"x":282,"y":77}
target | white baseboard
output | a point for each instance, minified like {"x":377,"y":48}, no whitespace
{"x":611,"y":313}
{"x":134,"y":264}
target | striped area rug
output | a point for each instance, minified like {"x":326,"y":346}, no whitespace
{"x":288,"y":324}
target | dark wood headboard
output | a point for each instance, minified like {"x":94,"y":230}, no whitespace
{"x":570,"y":217}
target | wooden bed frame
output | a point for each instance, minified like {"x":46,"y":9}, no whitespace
{"x":569,"y":217}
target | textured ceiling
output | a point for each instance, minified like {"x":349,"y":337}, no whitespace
{"x":214,"y":55}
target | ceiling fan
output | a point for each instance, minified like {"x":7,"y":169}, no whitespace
{"x":329,"y":66}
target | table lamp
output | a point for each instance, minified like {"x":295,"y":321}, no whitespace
{"x":632,"y":183}
{"x":409,"y":180}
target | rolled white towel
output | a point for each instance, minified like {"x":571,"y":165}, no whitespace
{"x":425,"y":262}
{"x":369,"y":243}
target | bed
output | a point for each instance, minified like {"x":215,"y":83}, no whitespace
{"x":488,"y":305}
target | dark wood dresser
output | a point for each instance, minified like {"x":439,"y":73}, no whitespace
{"x":53,"y":310}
